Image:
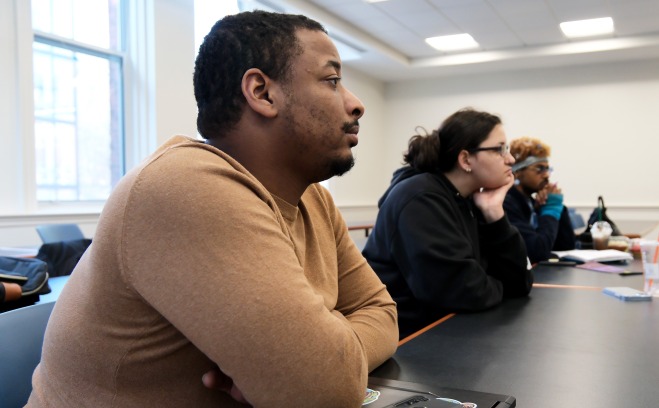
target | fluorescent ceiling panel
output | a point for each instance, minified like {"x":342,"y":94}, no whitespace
{"x":455,"y":42}
{"x":587,"y":28}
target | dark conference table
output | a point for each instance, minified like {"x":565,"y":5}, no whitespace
{"x":566,"y":345}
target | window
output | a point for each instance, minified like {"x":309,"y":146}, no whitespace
{"x":78,"y":100}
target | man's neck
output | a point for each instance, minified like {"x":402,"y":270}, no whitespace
{"x":267,"y":171}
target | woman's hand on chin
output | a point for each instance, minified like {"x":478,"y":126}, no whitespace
{"x":490,"y":201}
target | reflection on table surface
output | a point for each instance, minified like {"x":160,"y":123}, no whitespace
{"x":557,"y":275}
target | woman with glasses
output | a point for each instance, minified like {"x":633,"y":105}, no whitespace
{"x":535,"y":205}
{"x":441,"y":242}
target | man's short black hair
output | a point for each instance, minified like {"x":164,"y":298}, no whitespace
{"x":236,"y":43}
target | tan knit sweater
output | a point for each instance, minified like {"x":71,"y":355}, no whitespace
{"x":195,"y":262}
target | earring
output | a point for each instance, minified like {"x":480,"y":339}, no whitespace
{"x":468,"y":169}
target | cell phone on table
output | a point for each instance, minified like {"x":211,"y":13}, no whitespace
{"x":627,"y":294}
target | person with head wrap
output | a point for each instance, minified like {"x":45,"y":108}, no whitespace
{"x":535,"y":204}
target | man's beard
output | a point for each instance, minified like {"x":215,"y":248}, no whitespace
{"x":531,"y":190}
{"x":339,"y":167}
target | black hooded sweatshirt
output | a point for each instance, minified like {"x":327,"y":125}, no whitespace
{"x":433,"y":250}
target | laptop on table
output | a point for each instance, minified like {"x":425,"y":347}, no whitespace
{"x":384,"y":393}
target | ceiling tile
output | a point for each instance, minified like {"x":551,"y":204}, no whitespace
{"x":426,"y":24}
{"x":493,"y":36}
{"x":541,"y":36}
{"x":404,"y":6}
{"x":521,"y":9}
{"x":570,"y":10}
{"x":465,"y":16}
{"x":452,"y":3}
{"x":637,"y":26}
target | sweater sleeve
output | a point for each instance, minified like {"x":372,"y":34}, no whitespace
{"x":435,"y":254}
{"x":221,"y":267}
{"x":363,"y":299}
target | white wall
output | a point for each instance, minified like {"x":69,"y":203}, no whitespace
{"x":355,"y":191}
{"x":11,"y":79}
{"x":599,"y":120}
{"x":176,"y":109}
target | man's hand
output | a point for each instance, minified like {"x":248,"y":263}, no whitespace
{"x":215,"y":379}
{"x":541,"y":196}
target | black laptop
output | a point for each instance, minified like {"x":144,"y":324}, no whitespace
{"x":383,"y":393}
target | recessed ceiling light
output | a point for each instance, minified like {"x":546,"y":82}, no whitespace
{"x":587,"y":28}
{"x":452,"y":42}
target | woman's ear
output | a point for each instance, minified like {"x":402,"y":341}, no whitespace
{"x":464,"y":161}
{"x":257,"y":88}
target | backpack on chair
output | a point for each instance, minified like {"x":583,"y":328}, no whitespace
{"x":598,"y":214}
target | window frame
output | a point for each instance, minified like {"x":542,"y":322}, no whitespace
{"x":137,"y":117}
{"x":105,"y":54}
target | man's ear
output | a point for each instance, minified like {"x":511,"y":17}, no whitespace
{"x":257,"y":88}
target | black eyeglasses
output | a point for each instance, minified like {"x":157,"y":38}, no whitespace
{"x":503,"y":149}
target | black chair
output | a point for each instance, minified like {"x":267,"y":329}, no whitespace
{"x":59,"y":232}
{"x":21,"y":338}
{"x":576,"y":219}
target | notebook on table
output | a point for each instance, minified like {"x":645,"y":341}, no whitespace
{"x":383,"y":393}
{"x":594,"y":255}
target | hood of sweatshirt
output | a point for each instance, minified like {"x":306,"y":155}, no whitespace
{"x":399,"y":175}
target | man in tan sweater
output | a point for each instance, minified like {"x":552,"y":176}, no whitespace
{"x":223,"y":258}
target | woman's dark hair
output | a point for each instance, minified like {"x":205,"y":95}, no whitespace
{"x":256,"y":39}
{"x":464,"y":130}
